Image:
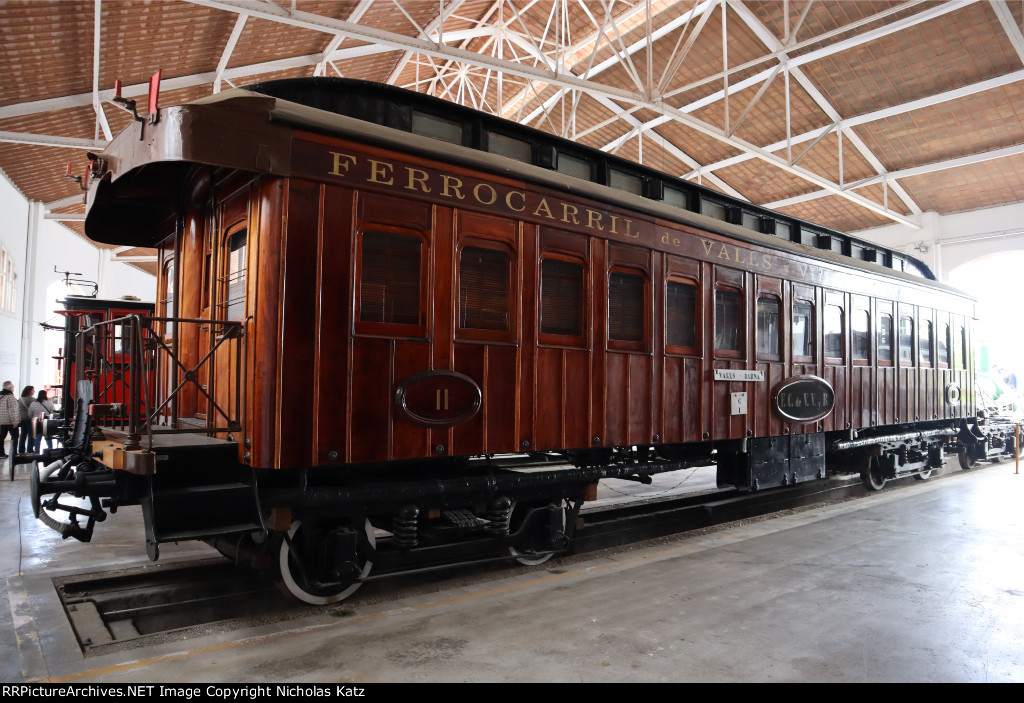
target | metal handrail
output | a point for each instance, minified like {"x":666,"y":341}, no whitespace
{"x":139,"y":379}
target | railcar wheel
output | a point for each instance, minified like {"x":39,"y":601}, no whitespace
{"x":967,"y":462}
{"x":872,"y":478}
{"x":296,"y":581}
{"x":924,"y":475}
{"x":526,"y":554}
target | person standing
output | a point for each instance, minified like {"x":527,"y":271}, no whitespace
{"x":10,"y":417}
{"x":25,"y":436}
{"x":40,"y":405}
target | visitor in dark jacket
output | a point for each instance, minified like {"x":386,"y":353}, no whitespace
{"x":28,"y":394}
{"x":10,"y":417}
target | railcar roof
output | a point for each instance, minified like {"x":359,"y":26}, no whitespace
{"x":164,"y":168}
{"x":320,"y":120}
{"x":379,"y":103}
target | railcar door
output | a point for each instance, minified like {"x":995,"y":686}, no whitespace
{"x":729,"y":349}
{"x":564,"y":294}
{"x":165,"y":308}
{"x":927,"y":373}
{"x":769,"y":347}
{"x":631,"y":395}
{"x":835,"y":352}
{"x":487,"y":267}
{"x":393,"y":327}
{"x":961,"y":397}
{"x":232,"y":280}
{"x":906,"y":382}
{"x":862,"y":396}
{"x":683,"y":394}
{"x":885,"y":363}
{"x":946,"y":373}
{"x":805,"y":338}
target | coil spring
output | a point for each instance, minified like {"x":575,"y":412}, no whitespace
{"x":406,"y":528}
{"x":498,"y":516}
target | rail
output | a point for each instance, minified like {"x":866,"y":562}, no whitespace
{"x":144,"y":385}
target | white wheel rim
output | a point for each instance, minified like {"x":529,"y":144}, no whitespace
{"x":305,"y":596}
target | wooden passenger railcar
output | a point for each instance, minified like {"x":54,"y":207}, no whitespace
{"x":424,"y":322}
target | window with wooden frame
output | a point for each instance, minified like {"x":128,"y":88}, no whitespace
{"x":562,"y":302}
{"x":906,"y":340}
{"x":485,"y":289}
{"x":8,"y":282}
{"x":681,"y":317}
{"x":769,"y":328}
{"x":627,"y":308}
{"x":166,"y":306}
{"x":231,"y":283}
{"x":390,"y":289}
{"x":942,"y":346}
{"x":803,"y":331}
{"x":860,"y":336}
{"x":925,"y":353}
{"x":833,"y":323}
{"x":730,"y":322}
{"x":884,"y":339}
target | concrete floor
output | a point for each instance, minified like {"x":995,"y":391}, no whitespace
{"x":923,"y":583}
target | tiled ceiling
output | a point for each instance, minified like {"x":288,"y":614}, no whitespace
{"x":852,"y":114}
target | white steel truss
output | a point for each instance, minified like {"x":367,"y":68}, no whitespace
{"x":525,"y":63}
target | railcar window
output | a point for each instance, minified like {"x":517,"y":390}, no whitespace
{"x":860,"y":337}
{"x":626,"y":306}
{"x":803,"y":329}
{"x":573,"y":166}
{"x":808,"y":237}
{"x":729,"y":320}
{"x":906,"y":340}
{"x":680,"y":314}
{"x":484,"y":276}
{"x":389,"y":286}
{"x":783,"y":230}
{"x":926,"y":343}
{"x":942,"y":350}
{"x":507,"y":146}
{"x":751,"y":221}
{"x":962,"y":348}
{"x":768,"y":327}
{"x":885,"y":338}
{"x":233,"y":307}
{"x":561,"y":298}
{"x":436,"y":127}
{"x":712,"y":209}
{"x":675,"y":198}
{"x":620,"y":180}
{"x":833,"y":332}
{"x":167,"y":303}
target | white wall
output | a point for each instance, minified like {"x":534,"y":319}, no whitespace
{"x":954,"y":240}
{"x":38,"y":246}
{"x":13,"y":238}
{"x":982,"y":253}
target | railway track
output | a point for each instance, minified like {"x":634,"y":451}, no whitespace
{"x":135,"y":607}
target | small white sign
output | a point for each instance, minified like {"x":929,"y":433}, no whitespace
{"x":739,"y":403}
{"x":738,"y":375}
